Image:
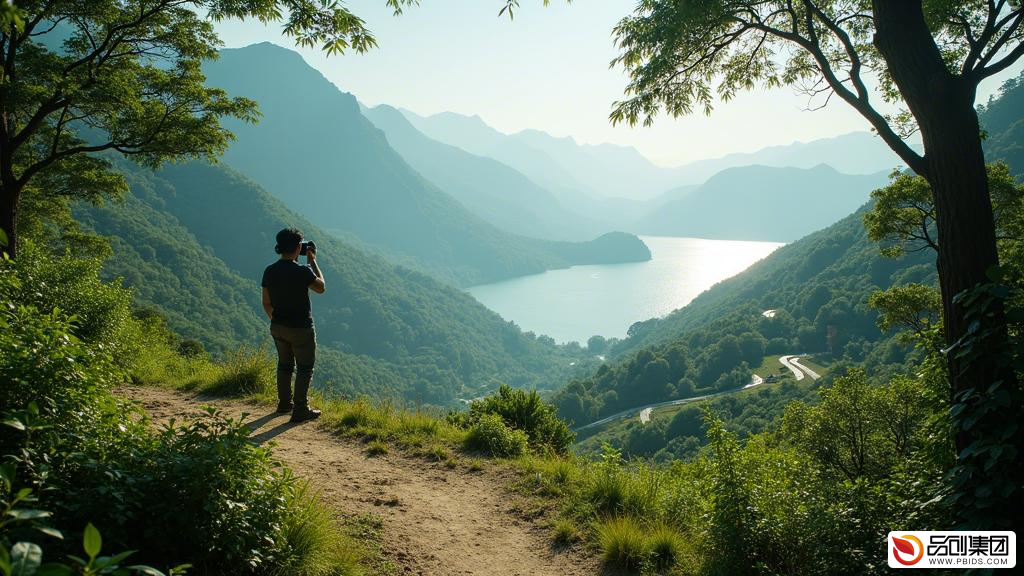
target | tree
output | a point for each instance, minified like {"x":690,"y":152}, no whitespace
{"x":82,"y":78}
{"x":928,"y":56}
{"x":914,"y":307}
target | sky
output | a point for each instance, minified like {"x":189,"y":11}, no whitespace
{"x":548,"y":70}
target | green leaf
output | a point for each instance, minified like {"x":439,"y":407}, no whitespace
{"x":25,"y":559}
{"x":147,"y":570}
{"x":92,"y":542}
{"x":52,"y":532}
{"x":5,"y":561}
{"x":14,"y":423}
{"x":110,"y":561}
{"x":7,"y":471}
{"x":27,"y":514}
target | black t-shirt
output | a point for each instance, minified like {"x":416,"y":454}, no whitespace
{"x":288,"y":283}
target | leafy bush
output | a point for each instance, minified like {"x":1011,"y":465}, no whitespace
{"x":201,"y":481}
{"x":94,"y":458}
{"x":526,"y":411}
{"x":102,"y":311}
{"x":490,"y":435}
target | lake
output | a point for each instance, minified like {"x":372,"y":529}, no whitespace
{"x":579,"y":302}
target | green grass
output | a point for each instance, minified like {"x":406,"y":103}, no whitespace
{"x":316,"y":544}
{"x":565,"y":532}
{"x":667,"y":546}
{"x":368,"y":531}
{"x":633,"y":508}
{"x":623,"y":542}
{"x":249,"y":374}
{"x":376,"y":448}
{"x":816,"y":363}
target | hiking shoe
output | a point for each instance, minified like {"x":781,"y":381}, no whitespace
{"x":284,"y":408}
{"x":304,"y":415}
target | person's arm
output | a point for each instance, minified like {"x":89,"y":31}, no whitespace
{"x":317,"y":285}
{"x":267,"y":306}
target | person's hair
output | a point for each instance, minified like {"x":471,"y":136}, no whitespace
{"x":288,"y":240}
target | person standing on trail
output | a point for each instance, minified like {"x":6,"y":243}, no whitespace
{"x":286,"y":285}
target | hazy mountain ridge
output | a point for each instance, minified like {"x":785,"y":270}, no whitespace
{"x":314,"y":150}
{"x":760,"y":203}
{"x":621,"y":171}
{"x":818,"y":284}
{"x":618,"y":186}
{"x":492,"y":190}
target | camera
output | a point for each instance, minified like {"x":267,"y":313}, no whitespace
{"x":305,"y":247}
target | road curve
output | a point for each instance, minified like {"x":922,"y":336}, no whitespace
{"x":633,"y":411}
{"x":788,"y":363}
{"x":755,"y":380}
{"x":796,"y":362}
{"x":791,"y":361}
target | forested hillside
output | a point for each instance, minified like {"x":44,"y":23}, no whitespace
{"x":193,"y":239}
{"x":313,"y":149}
{"x":1004,"y":123}
{"x":822,"y":280}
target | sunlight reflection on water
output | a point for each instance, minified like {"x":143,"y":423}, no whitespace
{"x":578,"y":302}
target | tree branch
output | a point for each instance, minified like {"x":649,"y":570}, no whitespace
{"x":914,"y":160}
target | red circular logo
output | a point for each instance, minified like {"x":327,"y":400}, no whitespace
{"x":904,"y":546}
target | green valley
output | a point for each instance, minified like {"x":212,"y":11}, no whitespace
{"x":480,"y":367}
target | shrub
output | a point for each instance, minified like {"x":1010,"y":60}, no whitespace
{"x":191,"y":348}
{"x":376,"y":448}
{"x":225,"y":502}
{"x":101,"y":311}
{"x":526,"y":411}
{"x":202,"y":481}
{"x":490,"y":435}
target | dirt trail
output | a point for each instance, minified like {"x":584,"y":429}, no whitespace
{"x":436,"y":521}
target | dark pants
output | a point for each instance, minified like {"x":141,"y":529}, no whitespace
{"x":295,"y":347}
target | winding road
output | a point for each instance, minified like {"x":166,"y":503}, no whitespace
{"x":798,"y":369}
{"x":791,"y":361}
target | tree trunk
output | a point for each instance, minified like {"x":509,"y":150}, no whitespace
{"x":9,"y":218}
{"x":943,"y":105}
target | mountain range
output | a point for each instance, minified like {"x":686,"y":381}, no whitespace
{"x":760,"y":203}
{"x":618,"y":188}
{"x":316,"y":152}
{"x":621,"y":171}
{"x":498,"y":193}
{"x":392,"y":330}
